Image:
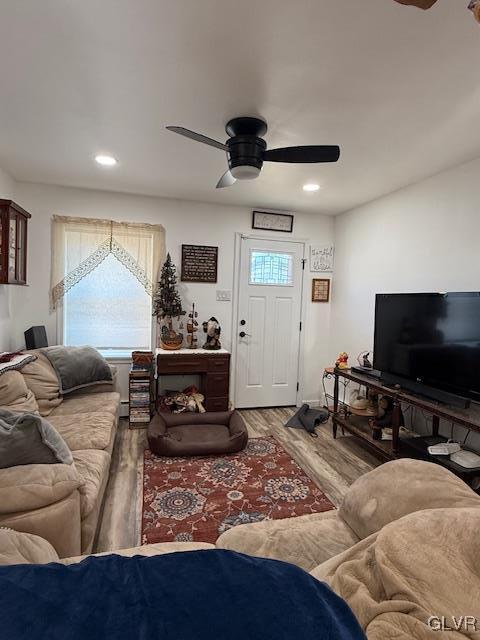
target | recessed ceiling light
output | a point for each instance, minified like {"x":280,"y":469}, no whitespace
{"x":311,"y":187}
{"x":106,"y":161}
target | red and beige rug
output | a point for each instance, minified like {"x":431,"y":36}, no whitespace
{"x":197,"y":499}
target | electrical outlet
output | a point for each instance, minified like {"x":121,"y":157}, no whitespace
{"x":224,"y":296}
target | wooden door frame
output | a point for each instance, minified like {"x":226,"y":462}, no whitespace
{"x":236,"y":309}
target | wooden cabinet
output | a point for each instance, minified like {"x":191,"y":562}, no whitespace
{"x":13,"y":243}
{"x":213,"y":367}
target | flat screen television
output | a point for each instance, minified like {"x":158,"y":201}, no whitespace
{"x":429,"y":341}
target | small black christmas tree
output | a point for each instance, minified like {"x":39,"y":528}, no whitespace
{"x":166,"y":301}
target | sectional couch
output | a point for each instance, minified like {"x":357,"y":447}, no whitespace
{"x":61,"y":503}
{"x":403,"y":550}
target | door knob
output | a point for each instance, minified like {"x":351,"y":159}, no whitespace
{"x":242,"y":334}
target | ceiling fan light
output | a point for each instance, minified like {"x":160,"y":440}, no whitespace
{"x":105,"y":161}
{"x":245,"y":172}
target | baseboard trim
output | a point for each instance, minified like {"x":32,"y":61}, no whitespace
{"x":124,"y":409}
{"x":313,"y":403}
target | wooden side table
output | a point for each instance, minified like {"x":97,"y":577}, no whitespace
{"x":212,"y":366}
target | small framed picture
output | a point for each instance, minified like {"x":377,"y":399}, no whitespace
{"x":321,"y":290}
{"x":272,"y":221}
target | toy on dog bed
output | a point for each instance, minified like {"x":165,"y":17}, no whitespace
{"x":190,"y":399}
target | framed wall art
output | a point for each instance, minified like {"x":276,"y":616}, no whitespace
{"x":199,"y":263}
{"x":320,"y":290}
{"x":321,"y":258}
{"x":272,"y":221}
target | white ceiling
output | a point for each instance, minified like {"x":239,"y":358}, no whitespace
{"x":396,"y":87}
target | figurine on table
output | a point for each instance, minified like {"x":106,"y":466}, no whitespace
{"x":364,"y":360}
{"x":192,"y":328}
{"x":213,"y":330}
{"x":384,"y":417}
{"x":342,"y":361}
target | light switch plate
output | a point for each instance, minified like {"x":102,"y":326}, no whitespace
{"x":224,"y":296}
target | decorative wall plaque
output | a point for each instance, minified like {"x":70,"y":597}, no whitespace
{"x":320,"y":290}
{"x":321,"y":258}
{"x":199,"y":263}
{"x":272,"y":221}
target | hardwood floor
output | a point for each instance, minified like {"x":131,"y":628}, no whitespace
{"x":332,"y":464}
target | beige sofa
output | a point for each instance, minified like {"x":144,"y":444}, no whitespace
{"x":25,"y":548}
{"x":402,"y":550}
{"x":61,"y":503}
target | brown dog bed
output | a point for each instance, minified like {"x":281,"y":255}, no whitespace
{"x":193,"y":434}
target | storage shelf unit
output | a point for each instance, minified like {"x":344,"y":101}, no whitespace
{"x":141,"y":385}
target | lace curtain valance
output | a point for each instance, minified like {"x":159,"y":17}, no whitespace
{"x":79,"y":245}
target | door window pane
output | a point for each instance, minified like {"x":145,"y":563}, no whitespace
{"x":271,"y":268}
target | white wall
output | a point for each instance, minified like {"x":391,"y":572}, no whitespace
{"x":422,"y":238}
{"x":185,"y":222}
{"x":7,"y":190}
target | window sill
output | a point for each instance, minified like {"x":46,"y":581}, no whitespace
{"x":116,"y":355}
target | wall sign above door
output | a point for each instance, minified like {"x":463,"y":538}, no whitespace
{"x":272,"y":221}
{"x":199,"y":263}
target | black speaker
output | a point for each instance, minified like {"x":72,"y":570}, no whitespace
{"x":35,"y":338}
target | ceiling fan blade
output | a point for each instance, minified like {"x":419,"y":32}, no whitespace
{"x":315,"y":153}
{"x":198,"y":137}
{"x":226,"y":180}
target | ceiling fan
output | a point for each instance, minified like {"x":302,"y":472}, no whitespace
{"x":247,"y":150}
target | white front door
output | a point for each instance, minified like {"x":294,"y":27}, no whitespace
{"x":268,"y":328}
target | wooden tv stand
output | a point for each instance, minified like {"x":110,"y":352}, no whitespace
{"x":401,"y":447}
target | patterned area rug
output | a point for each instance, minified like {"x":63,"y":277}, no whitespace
{"x":197,"y":499}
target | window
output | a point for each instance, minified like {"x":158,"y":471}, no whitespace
{"x":103,"y":277}
{"x":108,"y":309}
{"x":271,"y":268}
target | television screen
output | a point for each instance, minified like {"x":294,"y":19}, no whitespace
{"x":430,"y":338}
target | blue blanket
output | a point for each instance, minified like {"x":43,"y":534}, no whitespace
{"x":214,"y":595}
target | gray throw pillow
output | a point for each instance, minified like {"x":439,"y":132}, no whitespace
{"x":27,"y":438}
{"x":78,"y":367}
